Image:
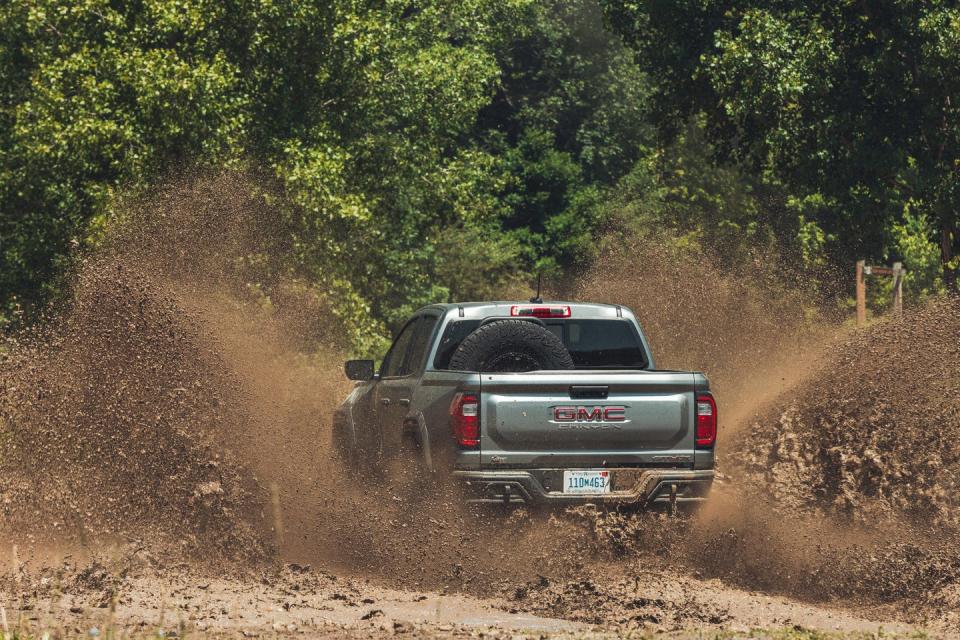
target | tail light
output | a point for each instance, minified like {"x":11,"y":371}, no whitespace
{"x":706,"y":421}
{"x":465,"y":420}
{"x":541,"y":312}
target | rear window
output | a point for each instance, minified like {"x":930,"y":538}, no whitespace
{"x":593,"y":344}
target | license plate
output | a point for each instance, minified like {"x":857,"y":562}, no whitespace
{"x":586,"y":482}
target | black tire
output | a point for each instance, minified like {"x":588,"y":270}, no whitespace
{"x":504,"y":346}
{"x":415,"y":481}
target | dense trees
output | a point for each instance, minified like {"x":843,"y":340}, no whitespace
{"x":449,"y":149}
{"x":393,"y":130}
{"x":359,"y":109}
{"x":852,"y":106}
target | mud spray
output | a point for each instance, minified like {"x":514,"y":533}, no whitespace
{"x":172,"y":410}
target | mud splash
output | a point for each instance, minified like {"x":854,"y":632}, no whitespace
{"x":755,"y":333}
{"x":109,"y":420}
{"x":119,"y":414}
{"x":836,"y":449}
{"x":875,"y":434}
{"x":176,"y":404}
{"x":861,"y":461}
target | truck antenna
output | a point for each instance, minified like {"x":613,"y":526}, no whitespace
{"x":537,"y":299}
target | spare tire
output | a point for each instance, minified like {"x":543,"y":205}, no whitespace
{"x":504,"y":346}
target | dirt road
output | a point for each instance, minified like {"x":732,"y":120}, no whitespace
{"x":300,"y":600}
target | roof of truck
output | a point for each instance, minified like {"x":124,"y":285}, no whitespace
{"x":502,"y":307}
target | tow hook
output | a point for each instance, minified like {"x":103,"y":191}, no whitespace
{"x":673,"y":499}
{"x":506,"y":494}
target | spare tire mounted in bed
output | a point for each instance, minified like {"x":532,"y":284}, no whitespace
{"x":508,"y":345}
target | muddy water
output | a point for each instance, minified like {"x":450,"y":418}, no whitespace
{"x":172,"y":407}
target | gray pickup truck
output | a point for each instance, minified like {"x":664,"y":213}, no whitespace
{"x":532,"y":402}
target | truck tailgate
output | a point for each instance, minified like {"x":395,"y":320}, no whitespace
{"x":587,"y":419}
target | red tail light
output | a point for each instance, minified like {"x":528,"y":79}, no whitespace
{"x":541,"y":312}
{"x":465,"y":420}
{"x":706,"y":421}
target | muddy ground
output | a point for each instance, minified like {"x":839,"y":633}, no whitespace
{"x":167,"y":464}
{"x":301,"y":600}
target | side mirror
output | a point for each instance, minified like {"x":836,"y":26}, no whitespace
{"x":359,"y":369}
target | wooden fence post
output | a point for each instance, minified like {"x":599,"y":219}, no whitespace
{"x":861,"y":295}
{"x":898,"y":289}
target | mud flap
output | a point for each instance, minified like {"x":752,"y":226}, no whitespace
{"x":423,"y":436}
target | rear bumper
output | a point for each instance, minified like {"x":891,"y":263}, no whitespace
{"x":540,"y":486}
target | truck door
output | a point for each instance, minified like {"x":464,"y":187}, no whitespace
{"x":393,"y":381}
{"x":397,"y":388}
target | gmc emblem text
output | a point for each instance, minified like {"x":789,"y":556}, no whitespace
{"x":590,"y":414}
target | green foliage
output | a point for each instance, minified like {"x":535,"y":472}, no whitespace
{"x":715,"y":201}
{"x":921,"y":256}
{"x":847,"y":103}
{"x":391,"y":128}
{"x":705,"y":205}
{"x":479,"y":263}
{"x":569,"y":119}
{"x":452,"y":149}
{"x":812,"y":241}
{"x":86,"y":103}
{"x":360,"y":110}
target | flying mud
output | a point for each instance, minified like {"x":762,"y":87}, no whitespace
{"x":169,"y":425}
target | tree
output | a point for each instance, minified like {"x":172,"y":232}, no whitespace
{"x":358,"y":108}
{"x":568,"y":119}
{"x":386,"y":130}
{"x":851,"y":104}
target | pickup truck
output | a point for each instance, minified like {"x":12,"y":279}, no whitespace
{"x":592,"y":420}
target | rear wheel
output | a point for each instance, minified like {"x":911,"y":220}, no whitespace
{"x":415,"y":479}
{"x":505,"y":346}
{"x":345,"y":447}
{"x":359,"y":451}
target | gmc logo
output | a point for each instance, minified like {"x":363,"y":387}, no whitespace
{"x":590,"y":414}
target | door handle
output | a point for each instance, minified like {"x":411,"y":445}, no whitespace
{"x":404,"y":402}
{"x":385,"y":401}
